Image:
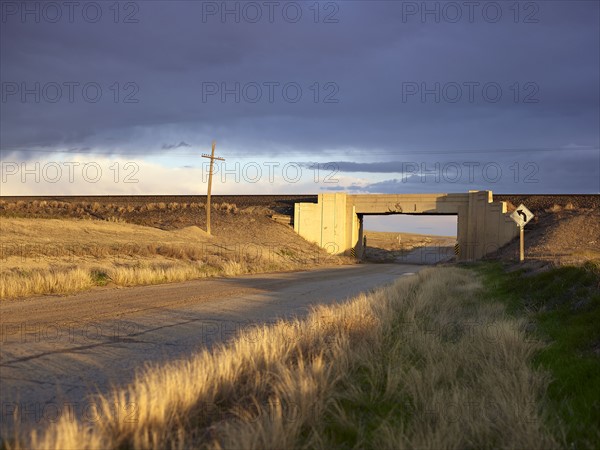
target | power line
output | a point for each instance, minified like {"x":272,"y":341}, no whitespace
{"x":376,"y":152}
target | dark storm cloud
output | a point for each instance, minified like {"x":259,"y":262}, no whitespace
{"x":567,"y":170}
{"x":365,"y":82}
{"x":174,"y":146}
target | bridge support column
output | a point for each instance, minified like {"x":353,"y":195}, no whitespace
{"x":360,"y":248}
{"x":483,"y":226}
{"x":326,"y":223}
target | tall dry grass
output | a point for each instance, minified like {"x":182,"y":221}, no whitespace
{"x":132,"y":265}
{"x":64,"y":280}
{"x":67,"y":279}
{"x":423,"y":363}
{"x":143,"y":274}
{"x":51,"y":256}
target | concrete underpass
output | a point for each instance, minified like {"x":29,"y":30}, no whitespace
{"x":336,"y":222}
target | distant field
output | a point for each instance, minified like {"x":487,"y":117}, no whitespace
{"x":280,"y":203}
{"x":383,"y":246}
{"x":165,"y":212}
{"x":404,"y":241}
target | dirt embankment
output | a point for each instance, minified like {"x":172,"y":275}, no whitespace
{"x":54,"y":246}
{"x":152,"y":210}
{"x":565,"y":229}
{"x":540,"y":203}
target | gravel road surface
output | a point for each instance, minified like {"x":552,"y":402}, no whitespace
{"x":56,"y":350}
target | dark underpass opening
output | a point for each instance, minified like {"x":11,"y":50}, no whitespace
{"x":410,"y":239}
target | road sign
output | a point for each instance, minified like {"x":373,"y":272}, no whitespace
{"x":521,"y":215}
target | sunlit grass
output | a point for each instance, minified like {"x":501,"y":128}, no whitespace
{"x":51,"y":256}
{"x":423,"y":363}
{"x":564,"y":306}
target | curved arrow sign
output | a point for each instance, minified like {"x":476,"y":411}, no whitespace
{"x":521,"y":215}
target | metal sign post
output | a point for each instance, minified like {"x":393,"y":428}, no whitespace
{"x":521,"y":216}
{"x":522,"y":243}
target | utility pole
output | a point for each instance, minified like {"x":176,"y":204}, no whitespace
{"x":212,"y":158}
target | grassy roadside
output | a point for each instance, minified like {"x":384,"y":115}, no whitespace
{"x":423,"y":363}
{"x":52,"y":256}
{"x":563,"y":307}
{"x":76,"y":275}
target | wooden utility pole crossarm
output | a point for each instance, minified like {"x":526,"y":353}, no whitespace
{"x":210,"y":175}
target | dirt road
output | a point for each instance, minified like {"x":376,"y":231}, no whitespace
{"x":54,"y":350}
{"x":428,"y":255}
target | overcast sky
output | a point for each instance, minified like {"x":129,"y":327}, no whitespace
{"x":105,"y":97}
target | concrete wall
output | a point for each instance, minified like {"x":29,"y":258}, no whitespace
{"x":325,"y":223}
{"x":335,"y":222}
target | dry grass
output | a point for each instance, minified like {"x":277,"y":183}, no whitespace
{"x":67,"y":279}
{"x":57,"y":256}
{"x":64,"y":280}
{"x":424,"y":363}
{"x":155,"y":273}
{"x":44,"y":206}
{"x":555,"y":208}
